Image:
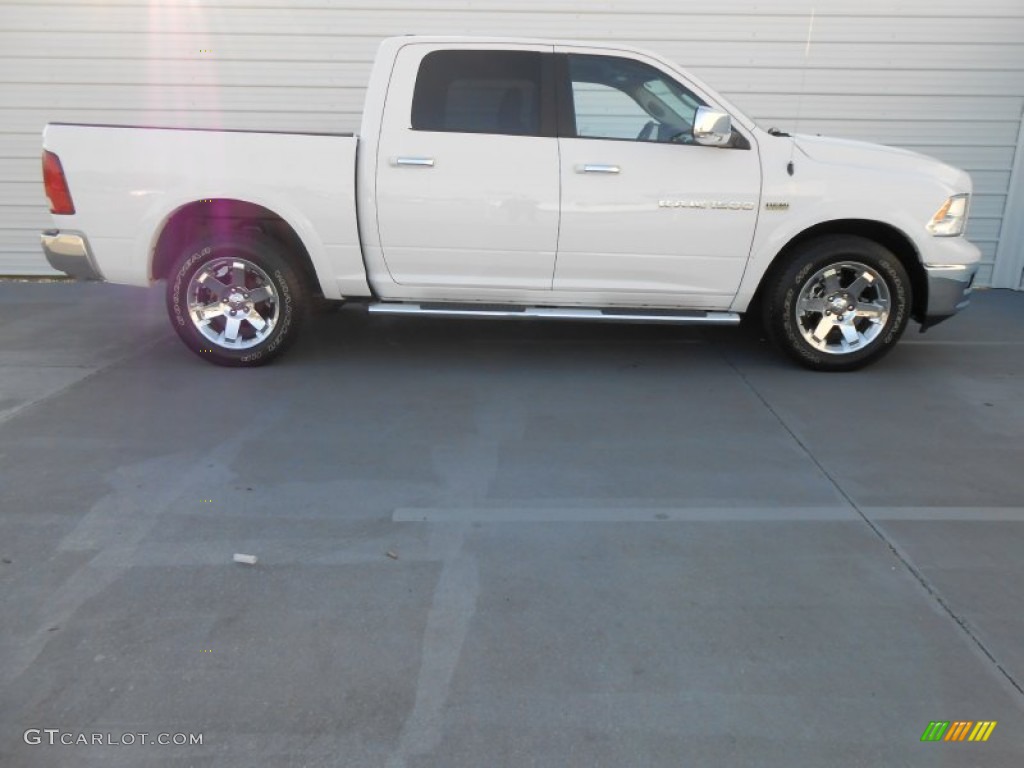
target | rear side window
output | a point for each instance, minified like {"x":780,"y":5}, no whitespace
{"x":479,"y":92}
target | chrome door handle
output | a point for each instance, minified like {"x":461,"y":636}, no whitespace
{"x":415,"y":162}
{"x":589,"y":168}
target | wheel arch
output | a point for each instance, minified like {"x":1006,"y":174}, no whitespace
{"x":880,"y":232}
{"x":225,"y":216}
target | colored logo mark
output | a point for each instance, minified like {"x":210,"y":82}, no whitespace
{"x":959,"y":730}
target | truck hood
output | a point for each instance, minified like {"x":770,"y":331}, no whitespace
{"x":862,"y":155}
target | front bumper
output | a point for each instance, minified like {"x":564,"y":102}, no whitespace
{"x":68,"y":252}
{"x":949,"y":291}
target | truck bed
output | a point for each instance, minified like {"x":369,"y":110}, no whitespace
{"x":127,"y":180}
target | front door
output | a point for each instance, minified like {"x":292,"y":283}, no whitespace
{"x":467,"y":169}
{"x":645,"y":210}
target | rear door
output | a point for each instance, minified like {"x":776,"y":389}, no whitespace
{"x":645,"y":210}
{"x":467,"y":168}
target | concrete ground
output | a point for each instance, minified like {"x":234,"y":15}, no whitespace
{"x":487,"y":544}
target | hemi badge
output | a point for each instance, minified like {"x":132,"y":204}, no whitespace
{"x":777,"y":206}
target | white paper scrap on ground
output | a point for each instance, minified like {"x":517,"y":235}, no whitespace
{"x":247,"y":559}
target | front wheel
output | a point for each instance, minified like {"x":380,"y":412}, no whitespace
{"x":840,"y":303}
{"x":236,"y":303}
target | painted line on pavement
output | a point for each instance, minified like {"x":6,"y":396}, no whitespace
{"x":620,"y":514}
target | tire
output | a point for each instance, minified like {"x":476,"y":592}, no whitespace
{"x":838,"y":303}
{"x":236,"y":302}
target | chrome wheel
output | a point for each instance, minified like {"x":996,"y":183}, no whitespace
{"x":233,"y":303}
{"x":843,"y":308}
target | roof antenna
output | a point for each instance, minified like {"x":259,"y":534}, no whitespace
{"x":803,"y":89}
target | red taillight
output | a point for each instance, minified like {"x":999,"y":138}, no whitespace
{"x":56,"y":185}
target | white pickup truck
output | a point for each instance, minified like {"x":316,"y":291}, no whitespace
{"x":521,"y":179}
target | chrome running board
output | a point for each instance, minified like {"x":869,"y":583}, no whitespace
{"x":616,"y":315}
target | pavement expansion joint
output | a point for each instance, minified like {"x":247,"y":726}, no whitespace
{"x":929,"y":588}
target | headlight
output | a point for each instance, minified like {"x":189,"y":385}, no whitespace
{"x":950,"y":219}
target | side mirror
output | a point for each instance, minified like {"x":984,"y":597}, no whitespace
{"x":712,"y":128}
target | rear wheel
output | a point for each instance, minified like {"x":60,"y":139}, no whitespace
{"x":840,"y":303}
{"x":236,"y":303}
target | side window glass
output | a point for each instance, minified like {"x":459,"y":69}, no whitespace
{"x":618,"y":98}
{"x":479,"y":92}
{"x":603,"y":112}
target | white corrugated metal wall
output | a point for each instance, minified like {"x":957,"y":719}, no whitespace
{"x":939,"y":76}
